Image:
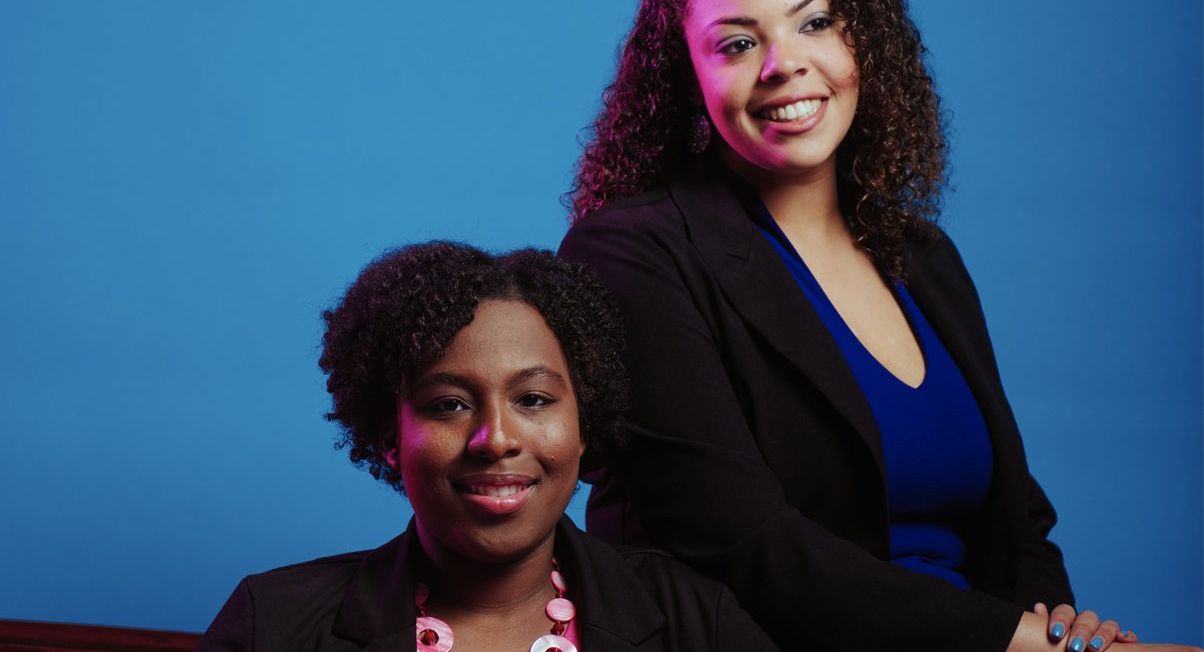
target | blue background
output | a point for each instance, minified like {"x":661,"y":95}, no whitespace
{"x":184,"y":186}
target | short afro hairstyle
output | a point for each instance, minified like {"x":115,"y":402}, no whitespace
{"x":403,"y":310}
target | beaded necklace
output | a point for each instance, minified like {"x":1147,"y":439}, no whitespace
{"x":435,"y":635}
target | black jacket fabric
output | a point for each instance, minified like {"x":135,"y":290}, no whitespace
{"x":627,"y":600}
{"x":754,"y":456}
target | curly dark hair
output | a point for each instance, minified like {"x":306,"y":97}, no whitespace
{"x":890,"y":166}
{"x":403,"y":310}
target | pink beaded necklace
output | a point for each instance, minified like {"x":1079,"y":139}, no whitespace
{"x":434,"y":635}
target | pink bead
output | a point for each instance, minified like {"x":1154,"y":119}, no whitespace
{"x":433,"y":635}
{"x":558,"y":582}
{"x":560,"y":610}
{"x":553,"y":643}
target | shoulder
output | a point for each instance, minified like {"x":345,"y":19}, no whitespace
{"x":936,"y":259}
{"x":312,"y":581}
{"x":671,"y":580}
{"x":651,"y":218}
{"x":652,"y":562}
{"x":695,"y":603}
{"x":935,"y":247}
{"x":651,"y":205}
{"x":283,"y":608}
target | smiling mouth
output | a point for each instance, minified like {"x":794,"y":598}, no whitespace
{"x":496,"y":491}
{"x":495,"y":497}
{"x":790,"y":112}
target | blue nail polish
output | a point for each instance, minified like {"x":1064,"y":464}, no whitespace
{"x":1057,"y":631}
{"x":1076,"y":644}
{"x":1097,"y":642}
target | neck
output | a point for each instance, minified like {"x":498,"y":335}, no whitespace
{"x":805,"y":205}
{"x":460,"y":585}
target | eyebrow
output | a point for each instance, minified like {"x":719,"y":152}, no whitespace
{"x":443,"y":378}
{"x":538,"y":371}
{"x":440,"y":379}
{"x":746,"y":21}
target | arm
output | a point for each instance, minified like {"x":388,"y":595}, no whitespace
{"x":697,"y":481}
{"x":1041,"y":574}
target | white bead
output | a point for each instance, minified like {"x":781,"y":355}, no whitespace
{"x":551,"y":642}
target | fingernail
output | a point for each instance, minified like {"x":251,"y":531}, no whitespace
{"x":1076,"y":644}
{"x":1097,"y":642}
{"x":1057,"y":631}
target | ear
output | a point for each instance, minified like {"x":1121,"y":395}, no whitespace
{"x":393,"y":459}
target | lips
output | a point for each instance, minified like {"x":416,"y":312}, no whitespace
{"x":793,"y":111}
{"x":494,"y":490}
{"x":495,"y":495}
{"x":792,"y":116}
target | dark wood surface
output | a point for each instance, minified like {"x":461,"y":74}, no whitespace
{"x":27,"y":636}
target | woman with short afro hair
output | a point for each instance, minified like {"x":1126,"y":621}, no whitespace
{"x":406,"y":307}
{"x":817,"y":416}
{"x":476,"y":384}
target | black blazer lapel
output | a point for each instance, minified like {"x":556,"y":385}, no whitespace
{"x":616,"y":613}
{"x":378,"y":608}
{"x":762,"y":290}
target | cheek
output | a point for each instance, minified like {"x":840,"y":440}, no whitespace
{"x":419,"y":455}
{"x":720,"y":94}
{"x":563,"y":450}
{"x":841,"y":67}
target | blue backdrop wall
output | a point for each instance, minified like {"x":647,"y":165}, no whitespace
{"x":185,"y":185}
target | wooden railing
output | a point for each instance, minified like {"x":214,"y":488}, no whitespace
{"x":26,"y":636}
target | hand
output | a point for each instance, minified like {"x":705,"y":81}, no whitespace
{"x":1154,"y":647}
{"x":1033,"y":634}
{"x":1082,"y":632}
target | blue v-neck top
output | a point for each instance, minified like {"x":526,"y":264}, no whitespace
{"x":934,"y":439}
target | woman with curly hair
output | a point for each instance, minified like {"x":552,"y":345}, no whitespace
{"x":817,"y":415}
{"x":476,"y":385}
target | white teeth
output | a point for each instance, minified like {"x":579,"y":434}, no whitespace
{"x":498,"y":491}
{"x":800,"y":109}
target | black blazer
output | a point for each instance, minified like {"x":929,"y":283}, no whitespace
{"x":754,"y":455}
{"x":627,"y":600}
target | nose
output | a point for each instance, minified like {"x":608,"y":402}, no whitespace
{"x":782,"y":63}
{"x":495,"y":436}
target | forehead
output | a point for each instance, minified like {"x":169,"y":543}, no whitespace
{"x":704,"y":11}
{"x":504,"y":335}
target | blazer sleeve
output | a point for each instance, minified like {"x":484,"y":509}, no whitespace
{"x":700,"y":488}
{"x":232,"y":629}
{"x":1041,"y":573}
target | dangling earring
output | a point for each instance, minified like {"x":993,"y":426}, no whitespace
{"x":700,"y":133}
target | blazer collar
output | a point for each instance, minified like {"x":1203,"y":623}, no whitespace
{"x":615,"y":612}
{"x":378,"y":607}
{"x":762,"y":290}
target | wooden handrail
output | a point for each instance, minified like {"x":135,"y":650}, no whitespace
{"x":29,"y":636}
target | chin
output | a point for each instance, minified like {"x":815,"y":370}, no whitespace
{"x":785,"y":161}
{"x":504,"y":547}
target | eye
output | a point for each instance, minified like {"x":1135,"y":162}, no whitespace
{"x":817,"y":23}
{"x":535,"y":401}
{"x":446,"y":405}
{"x":742,"y":44}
